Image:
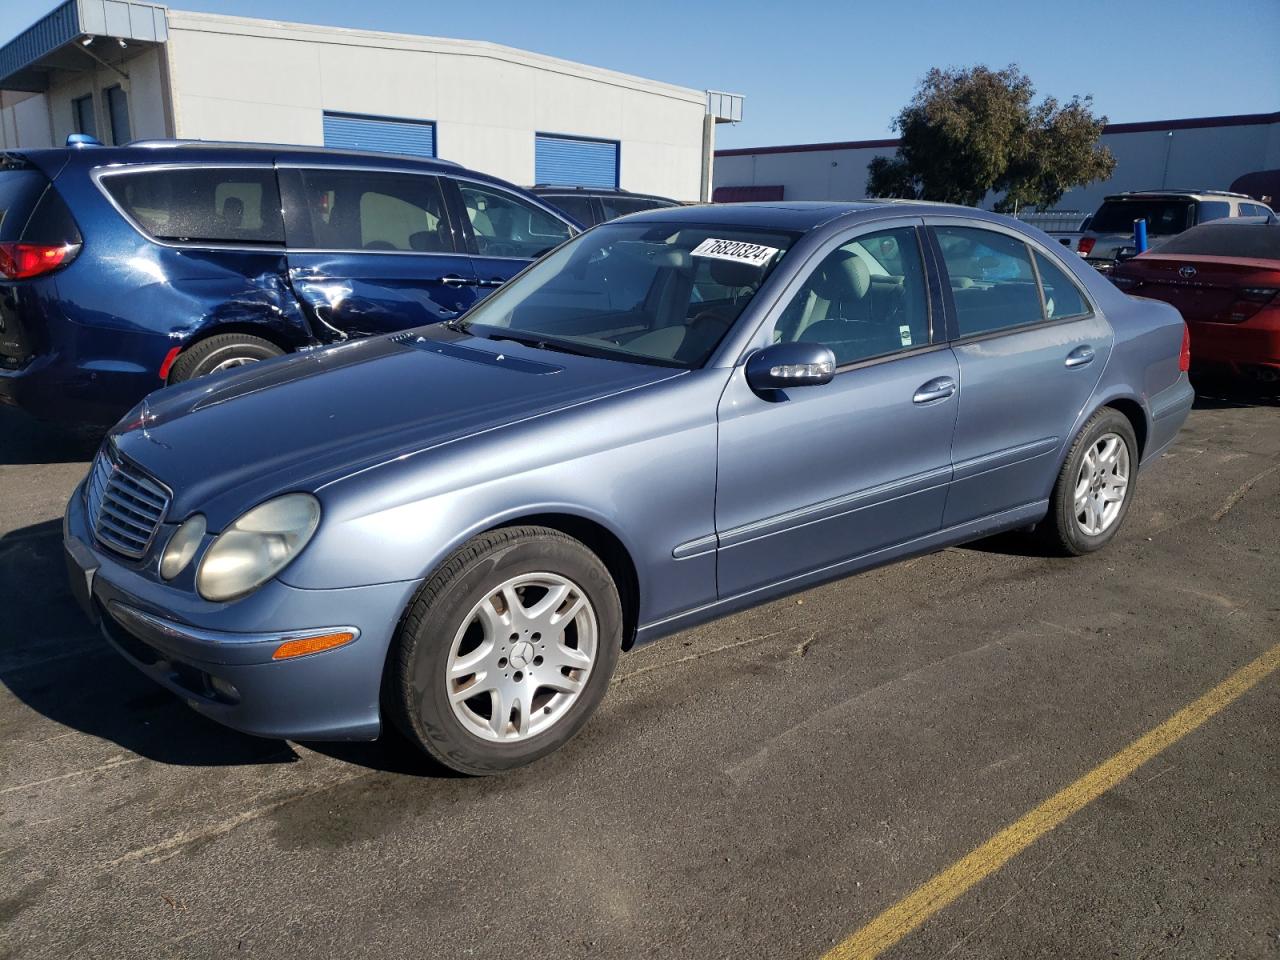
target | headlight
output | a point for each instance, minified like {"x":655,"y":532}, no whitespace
{"x":182,"y":547}
{"x":257,"y":546}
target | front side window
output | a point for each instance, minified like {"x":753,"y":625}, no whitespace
{"x":209,"y":204}
{"x":650,"y":293}
{"x":507,"y":226}
{"x":335,"y":209}
{"x":993,"y":285}
{"x":864,"y":300}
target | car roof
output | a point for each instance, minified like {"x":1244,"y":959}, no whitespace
{"x":796,"y":215}
{"x":182,"y":151}
{"x":570,"y":190}
{"x":1175,"y":193}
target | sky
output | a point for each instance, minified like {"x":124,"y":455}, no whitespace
{"x":840,"y":70}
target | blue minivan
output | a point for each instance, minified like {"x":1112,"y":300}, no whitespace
{"x":123,"y":269}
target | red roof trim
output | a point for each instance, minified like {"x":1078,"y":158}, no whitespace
{"x":1191,"y":123}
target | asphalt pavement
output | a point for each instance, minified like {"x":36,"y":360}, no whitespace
{"x":762,"y":786}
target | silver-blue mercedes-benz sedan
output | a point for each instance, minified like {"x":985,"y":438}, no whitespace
{"x":676,"y":415}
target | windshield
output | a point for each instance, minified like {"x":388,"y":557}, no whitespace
{"x":1257,"y":241}
{"x":645,"y":292}
{"x":1162,"y":216}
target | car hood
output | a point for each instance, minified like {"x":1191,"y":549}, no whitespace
{"x":224,"y":443}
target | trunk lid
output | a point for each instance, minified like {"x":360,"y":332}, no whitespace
{"x":1205,"y":289}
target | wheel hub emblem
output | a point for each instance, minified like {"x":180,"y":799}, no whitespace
{"x":521,"y":655}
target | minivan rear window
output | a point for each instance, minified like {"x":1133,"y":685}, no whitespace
{"x":1162,"y":216}
{"x":19,"y":191}
{"x":236,"y":205}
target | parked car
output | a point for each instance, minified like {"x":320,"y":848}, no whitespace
{"x":591,"y":205}
{"x":123,"y":269}
{"x":1224,"y":277}
{"x":1107,"y":238}
{"x":457,"y":529}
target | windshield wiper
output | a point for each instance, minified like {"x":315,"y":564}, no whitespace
{"x":541,"y":343}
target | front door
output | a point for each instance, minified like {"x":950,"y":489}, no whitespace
{"x":372,"y":251}
{"x":816,"y":478}
{"x":1031,"y":351}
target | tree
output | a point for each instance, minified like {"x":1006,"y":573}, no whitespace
{"x":967,"y":133}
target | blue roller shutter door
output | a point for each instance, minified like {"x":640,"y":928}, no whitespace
{"x":566,"y":161}
{"x":349,"y":132}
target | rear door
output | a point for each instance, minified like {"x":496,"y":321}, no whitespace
{"x":503,"y":231}
{"x":1030,"y":349}
{"x":373,"y":251}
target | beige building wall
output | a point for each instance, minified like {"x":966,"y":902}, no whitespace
{"x":242,"y":79}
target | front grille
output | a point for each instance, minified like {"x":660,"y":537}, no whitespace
{"x":126,"y":507}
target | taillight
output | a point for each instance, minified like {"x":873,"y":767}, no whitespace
{"x":1259,"y":294}
{"x":1184,"y":358}
{"x":22,"y":261}
{"x":1085,"y":246}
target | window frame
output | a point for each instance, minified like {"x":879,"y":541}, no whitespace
{"x":99,"y":174}
{"x":289,"y":176}
{"x":952,"y":318}
{"x":458,"y":214}
{"x":762,"y":336}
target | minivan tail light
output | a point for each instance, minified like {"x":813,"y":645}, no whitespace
{"x":22,"y":261}
{"x":1085,"y":246}
{"x":1184,"y":358}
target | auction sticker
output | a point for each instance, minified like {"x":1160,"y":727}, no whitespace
{"x":753,"y":253}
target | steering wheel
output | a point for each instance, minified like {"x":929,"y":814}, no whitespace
{"x":705,"y":329}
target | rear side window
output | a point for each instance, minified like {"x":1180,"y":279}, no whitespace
{"x":621,"y":206}
{"x":238,"y":205}
{"x":1213,"y":210}
{"x":1062,"y":298}
{"x":334,"y":209}
{"x":577,"y":207}
{"x":993,"y":284}
{"x":19,"y":192}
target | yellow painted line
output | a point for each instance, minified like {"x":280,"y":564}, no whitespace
{"x":890,"y":927}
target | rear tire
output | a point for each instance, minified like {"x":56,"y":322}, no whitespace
{"x":224,"y":351}
{"x":506,"y":651}
{"x":1095,"y":486}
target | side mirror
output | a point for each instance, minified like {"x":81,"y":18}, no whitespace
{"x":786,"y":365}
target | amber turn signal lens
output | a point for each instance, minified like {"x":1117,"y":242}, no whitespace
{"x":305,"y":645}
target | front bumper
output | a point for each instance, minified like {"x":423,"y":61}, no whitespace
{"x":217,"y":657}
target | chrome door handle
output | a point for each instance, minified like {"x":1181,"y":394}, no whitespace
{"x":937,"y":389}
{"x":1079,"y":356}
{"x":453,"y":280}
{"x":495,"y":282}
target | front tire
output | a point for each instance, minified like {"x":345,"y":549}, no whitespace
{"x":1095,"y":486}
{"x":506,"y":651}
